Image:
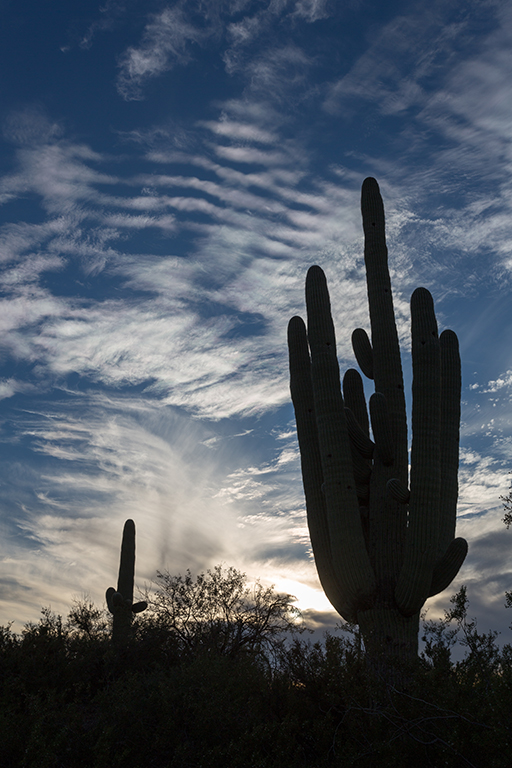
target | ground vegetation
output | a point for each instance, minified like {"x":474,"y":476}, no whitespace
{"x":216,"y":674}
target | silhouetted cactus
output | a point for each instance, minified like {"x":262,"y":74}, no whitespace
{"x":120,"y":603}
{"x":380,"y":548}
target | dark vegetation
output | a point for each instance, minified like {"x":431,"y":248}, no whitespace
{"x":215,"y":674}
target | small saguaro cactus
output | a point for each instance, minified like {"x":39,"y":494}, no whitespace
{"x":382,"y":545}
{"x":120,"y":603}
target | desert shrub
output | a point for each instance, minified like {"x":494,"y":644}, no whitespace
{"x":69,"y":698}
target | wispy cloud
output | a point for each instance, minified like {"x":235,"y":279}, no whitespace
{"x":118,"y":459}
{"x":253,"y":233}
{"x":111,"y":12}
{"x":240,"y":131}
{"x":114,"y":458}
{"x":448,"y":88}
{"x":60,"y":173}
{"x":248,"y":46}
{"x":165,"y":43}
{"x":242,"y":265}
{"x":313,"y":10}
{"x":393,"y":72}
{"x":30,"y":125}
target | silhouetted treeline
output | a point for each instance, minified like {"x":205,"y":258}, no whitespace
{"x":223,"y":691}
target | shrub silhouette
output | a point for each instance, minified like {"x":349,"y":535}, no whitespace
{"x":217,"y":612}
{"x":69,"y":698}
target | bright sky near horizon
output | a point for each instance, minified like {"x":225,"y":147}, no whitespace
{"x":168,"y":172}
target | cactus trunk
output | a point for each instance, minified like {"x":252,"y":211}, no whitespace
{"x":381,"y":546}
{"x":120,"y":601}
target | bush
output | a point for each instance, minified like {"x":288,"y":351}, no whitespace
{"x":69,"y":698}
{"x":217,"y":612}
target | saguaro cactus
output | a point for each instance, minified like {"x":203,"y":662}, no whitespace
{"x":382,"y":545}
{"x":120,"y":601}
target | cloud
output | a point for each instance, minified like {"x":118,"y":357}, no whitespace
{"x":57,"y":172}
{"x":257,"y":32}
{"x":96,"y":460}
{"x":111,"y":11}
{"x":482,"y":481}
{"x":280,"y":73}
{"x":235,"y":197}
{"x":251,"y":155}
{"x":249,"y":46}
{"x":112,"y":459}
{"x":165,"y":43}
{"x":313,"y":10}
{"x":448,"y":88}
{"x":9,"y":387}
{"x":503,"y":381}
{"x":393,"y":73}
{"x":239,"y":131}
{"x":30,"y":125}
{"x":252,"y":236}
{"x":253,"y":233}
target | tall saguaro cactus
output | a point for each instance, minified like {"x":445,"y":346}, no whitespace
{"x":382,"y":544}
{"x":120,"y":601}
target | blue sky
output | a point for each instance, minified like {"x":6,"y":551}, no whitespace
{"x":168,"y":172}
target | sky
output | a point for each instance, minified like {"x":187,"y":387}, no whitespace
{"x":168,"y":173}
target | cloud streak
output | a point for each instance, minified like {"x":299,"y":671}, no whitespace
{"x":165,"y":43}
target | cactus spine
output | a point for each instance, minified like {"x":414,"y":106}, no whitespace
{"x":120,"y":602}
{"x":382,"y":545}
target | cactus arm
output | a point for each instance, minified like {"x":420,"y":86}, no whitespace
{"x":450,"y":421}
{"x":356,"y":416}
{"x":109,"y":594}
{"x":359,"y":440}
{"x":302,"y":397}
{"x":447,"y":567}
{"x":398,"y":490}
{"x":363,"y":351}
{"x":422,"y":533}
{"x":353,"y":394}
{"x":350,"y":558}
{"x":387,"y":365}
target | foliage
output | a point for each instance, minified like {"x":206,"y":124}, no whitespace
{"x":216,"y":611}
{"x":68,"y":698}
{"x":507,"y":505}
{"x":86,"y":621}
{"x":507,"y":519}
